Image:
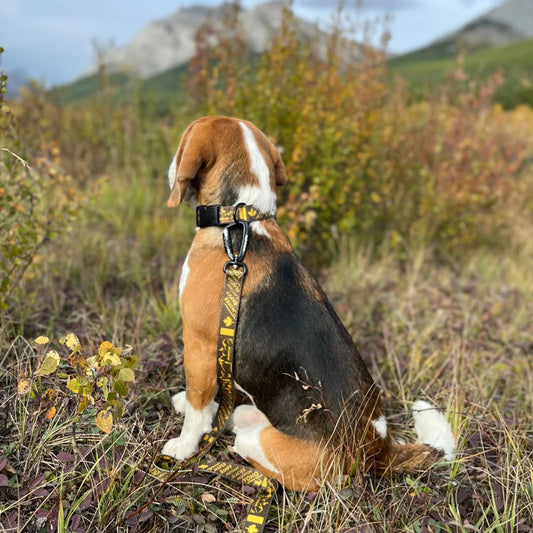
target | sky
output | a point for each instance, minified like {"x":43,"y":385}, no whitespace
{"x":52,"y":40}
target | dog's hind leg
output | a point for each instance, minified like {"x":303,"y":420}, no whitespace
{"x":296,"y":463}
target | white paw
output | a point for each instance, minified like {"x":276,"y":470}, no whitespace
{"x":180,"y":448}
{"x":179,"y":402}
{"x":246,"y":416}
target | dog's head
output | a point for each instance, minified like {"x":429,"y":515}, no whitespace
{"x":223,"y":160}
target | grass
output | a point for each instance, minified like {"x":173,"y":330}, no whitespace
{"x":461,"y":338}
{"x":458,"y":334}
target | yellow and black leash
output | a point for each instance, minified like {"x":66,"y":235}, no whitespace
{"x":165,"y":467}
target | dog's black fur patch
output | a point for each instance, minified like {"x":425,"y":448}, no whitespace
{"x":282,"y":332}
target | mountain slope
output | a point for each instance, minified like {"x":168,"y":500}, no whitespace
{"x":514,"y":60}
{"x":508,"y":23}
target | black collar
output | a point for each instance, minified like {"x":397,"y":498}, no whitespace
{"x":222,"y":215}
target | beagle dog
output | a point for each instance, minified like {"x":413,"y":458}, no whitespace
{"x":313,"y":401}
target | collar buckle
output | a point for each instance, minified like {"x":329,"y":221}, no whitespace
{"x":207,"y":215}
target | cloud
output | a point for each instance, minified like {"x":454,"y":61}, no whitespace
{"x":386,"y":5}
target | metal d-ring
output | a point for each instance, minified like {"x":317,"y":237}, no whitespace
{"x":236,"y":212}
{"x":236,"y":264}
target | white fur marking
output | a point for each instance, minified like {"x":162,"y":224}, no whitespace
{"x":185,"y":270}
{"x":172,"y":173}
{"x":433,"y":429}
{"x":197,"y":422}
{"x":179,"y":402}
{"x":262,"y":197}
{"x":245,"y":416}
{"x":380,"y":425}
{"x":259,"y":229}
{"x":251,"y":195}
{"x":247,"y":439}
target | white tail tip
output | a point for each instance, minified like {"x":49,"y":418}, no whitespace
{"x":433,"y":429}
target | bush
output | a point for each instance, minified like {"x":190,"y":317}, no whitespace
{"x":37,"y":198}
{"x":361,"y":159}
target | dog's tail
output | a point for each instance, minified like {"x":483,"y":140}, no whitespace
{"x":435,"y":440}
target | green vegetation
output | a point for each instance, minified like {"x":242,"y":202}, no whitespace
{"x":417,"y":217}
{"x":160,"y":91}
{"x":428,"y":67}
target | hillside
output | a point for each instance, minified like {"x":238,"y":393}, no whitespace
{"x":515,"y":61}
{"x":508,"y":23}
{"x":162,"y":88}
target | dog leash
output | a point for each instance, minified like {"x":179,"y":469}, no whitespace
{"x":164,"y":467}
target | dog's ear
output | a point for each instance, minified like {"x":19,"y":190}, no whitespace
{"x":184,"y":168}
{"x":279,"y":169}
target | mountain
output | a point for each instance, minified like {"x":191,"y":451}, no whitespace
{"x":170,"y":42}
{"x":501,"y":40}
{"x":156,"y":60}
{"x":510,"y":22}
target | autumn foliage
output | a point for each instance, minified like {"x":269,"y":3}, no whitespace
{"x":362,"y":159}
{"x":80,"y":383}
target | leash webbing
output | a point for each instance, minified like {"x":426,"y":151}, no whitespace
{"x":165,"y":467}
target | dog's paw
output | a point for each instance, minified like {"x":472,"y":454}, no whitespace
{"x":246,"y":416}
{"x":180,"y":448}
{"x":179,"y":402}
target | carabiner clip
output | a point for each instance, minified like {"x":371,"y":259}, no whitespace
{"x":228,"y":245}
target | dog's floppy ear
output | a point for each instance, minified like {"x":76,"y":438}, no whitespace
{"x":279,"y":169}
{"x":184,"y":168}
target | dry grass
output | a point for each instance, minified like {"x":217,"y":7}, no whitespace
{"x":461,"y":337}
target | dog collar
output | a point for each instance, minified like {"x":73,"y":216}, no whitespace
{"x":222,"y":215}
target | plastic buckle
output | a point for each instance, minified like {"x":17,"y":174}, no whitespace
{"x":207,"y":215}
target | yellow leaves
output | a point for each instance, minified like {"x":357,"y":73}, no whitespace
{"x":105,"y":347}
{"x":100,"y":380}
{"x":92,"y":362}
{"x":298,"y":154}
{"x":72,"y":341}
{"x":24,"y":386}
{"x":110,"y":359}
{"x":49,"y":395}
{"x":109,"y":355}
{"x":126,"y":375}
{"x":74,"y":385}
{"x":104,"y":421}
{"x":50,"y":363}
{"x":82,"y":405}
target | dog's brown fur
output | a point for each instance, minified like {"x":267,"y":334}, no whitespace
{"x":211,"y":158}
